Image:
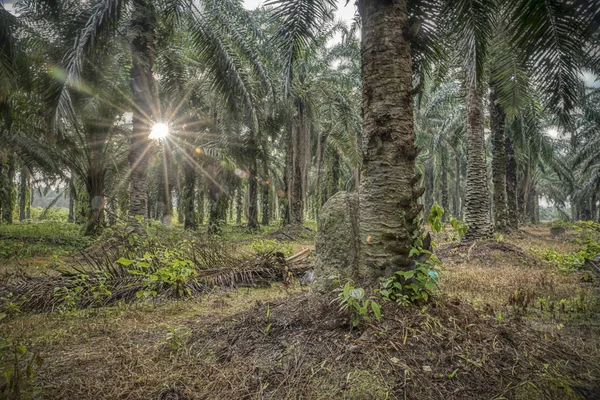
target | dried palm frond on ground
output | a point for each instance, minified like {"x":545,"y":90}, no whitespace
{"x":103,"y":278}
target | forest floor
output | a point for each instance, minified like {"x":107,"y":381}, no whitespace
{"x":506,"y":324}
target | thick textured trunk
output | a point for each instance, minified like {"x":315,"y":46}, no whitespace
{"x":187,"y":196}
{"x":477,"y":201}
{"x":445,"y":196}
{"x":142,"y":83}
{"x":511,"y":185}
{"x":497,"y":118}
{"x":388,"y":196}
{"x":24,"y":196}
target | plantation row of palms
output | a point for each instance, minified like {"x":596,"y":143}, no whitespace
{"x":271,"y":113}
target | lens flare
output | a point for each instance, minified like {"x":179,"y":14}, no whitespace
{"x":159,"y":131}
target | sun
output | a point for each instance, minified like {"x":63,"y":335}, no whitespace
{"x":159,"y":131}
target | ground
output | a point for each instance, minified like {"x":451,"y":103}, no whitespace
{"x":506,"y":324}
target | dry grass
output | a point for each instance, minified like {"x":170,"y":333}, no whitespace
{"x":480,"y":339}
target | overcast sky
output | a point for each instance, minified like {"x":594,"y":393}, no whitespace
{"x":344,"y":12}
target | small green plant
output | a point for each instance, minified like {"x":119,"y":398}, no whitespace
{"x":17,"y":365}
{"x":354,"y":300}
{"x":177,"y":338}
{"x":419,"y":282}
{"x":266,"y":246}
{"x":459,"y":227}
{"x":167,"y":268}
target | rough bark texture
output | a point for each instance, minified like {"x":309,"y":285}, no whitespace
{"x":511,"y":185}
{"x":497,"y":118}
{"x":338,"y":243}
{"x":142,"y":83}
{"x":72,"y":194}
{"x":477,"y":202}
{"x":388,"y":196}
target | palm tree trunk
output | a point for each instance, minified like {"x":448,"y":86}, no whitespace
{"x":445,"y":196}
{"x":187,"y":195}
{"x":253,"y":198}
{"x":72,"y":194}
{"x":497,"y":117}
{"x":428,"y":181}
{"x":457,"y":197}
{"x":239,"y":208}
{"x":142,"y":82}
{"x":511,"y":185}
{"x":297,"y":165}
{"x":8,"y":192}
{"x":265,"y":195}
{"x":388,"y":196}
{"x":23,"y":193}
{"x":477,"y":201}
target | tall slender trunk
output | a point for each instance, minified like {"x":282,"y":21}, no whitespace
{"x":142,"y":83}
{"x":239,"y":207}
{"x":253,"y":185}
{"x":24,"y":193}
{"x":523,"y":195}
{"x":7,"y":191}
{"x":187,"y":195}
{"x":511,"y":185}
{"x":497,"y":118}
{"x":72,"y":195}
{"x":95,"y":189}
{"x":445,"y":195}
{"x":457,"y":188}
{"x":200,"y":204}
{"x":265,"y":195}
{"x":428,"y":181}
{"x":477,"y":201}
{"x":388,"y":196}
{"x":297,"y":164}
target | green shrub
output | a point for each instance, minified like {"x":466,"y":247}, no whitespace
{"x":265,"y":246}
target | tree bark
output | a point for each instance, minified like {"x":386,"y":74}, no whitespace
{"x":388,"y":196}
{"x":497,"y":118}
{"x":511,"y":185}
{"x":477,"y":202}
{"x":142,"y":83}
{"x":8,"y":192}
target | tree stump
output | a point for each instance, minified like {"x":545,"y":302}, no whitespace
{"x":338,"y":242}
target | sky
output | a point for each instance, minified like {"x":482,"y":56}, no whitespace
{"x":345,"y":12}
